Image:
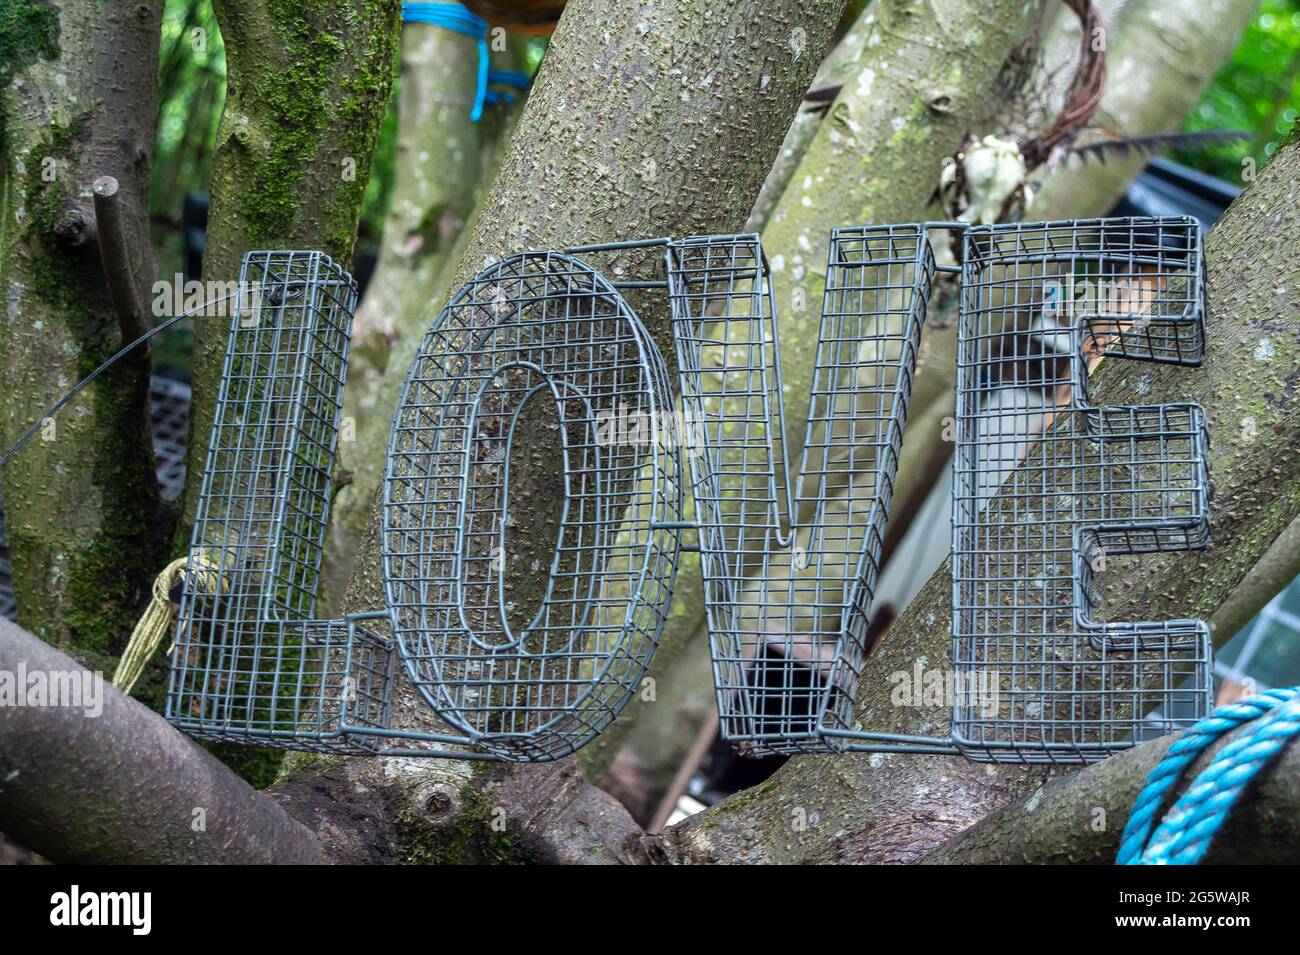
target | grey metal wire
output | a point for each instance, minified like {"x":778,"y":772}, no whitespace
{"x":788,"y":609}
{"x":541,"y":343}
{"x":250,"y":662}
{"x":1047,"y":486}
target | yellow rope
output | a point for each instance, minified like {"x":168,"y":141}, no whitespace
{"x":157,"y":618}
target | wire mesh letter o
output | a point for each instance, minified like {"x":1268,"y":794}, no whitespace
{"x":529,"y":506}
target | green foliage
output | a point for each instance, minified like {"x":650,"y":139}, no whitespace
{"x":1258,"y":90}
{"x":191,"y":90}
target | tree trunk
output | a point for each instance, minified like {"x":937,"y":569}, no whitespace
{"x":668,"y":129}
{"x":1163,"y":54}
{"x":923,"y":79}
{"x":882,"y":808}
{"x":1079,"y":819}
{"x":433,"y":188}
{"x":444,"y":159}
{"x":307,"y":86}
{"x":841,"y":64}
{"x":128,"y":787}
{"x":77,"y":88}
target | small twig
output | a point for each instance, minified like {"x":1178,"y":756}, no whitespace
{"x":116,"y":258}
{"x":681,"y":781}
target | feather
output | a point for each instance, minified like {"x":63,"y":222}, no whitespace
{"x":1146,"y":145}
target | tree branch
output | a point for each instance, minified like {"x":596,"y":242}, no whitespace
{"x":1080,"y":818}
{"x":115,"y":256}
{"x":409,"y":810}
{"x":122,"y":785}
{"x":1278,"y":566}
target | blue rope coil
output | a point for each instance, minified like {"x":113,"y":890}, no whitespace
{"x":514,"y":79}
{"x":1184,"y":834}
{"x":461,"y":19}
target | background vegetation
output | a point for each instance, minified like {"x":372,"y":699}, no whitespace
{"x":1258,"y":90}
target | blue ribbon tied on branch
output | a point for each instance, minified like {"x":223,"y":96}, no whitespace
{"x":461,"y":19}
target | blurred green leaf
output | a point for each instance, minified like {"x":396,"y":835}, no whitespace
{"x":1259,"y":89}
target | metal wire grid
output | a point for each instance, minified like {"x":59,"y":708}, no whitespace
{"x":787,"y":588}
{"x":536,"y":344}
{"x":169,"y":411}
{"x":250,"y":662}
{"x":1039,"y":301}
{"x":788,"y":607}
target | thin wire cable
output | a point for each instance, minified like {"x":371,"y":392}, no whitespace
{"x":76,"y":389}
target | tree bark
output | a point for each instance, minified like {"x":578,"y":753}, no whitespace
{"x":925,"y":75}
{"x":444,"y":161}
{"x":128,"y":787}
{"x":1162,"y":55}
{"x":882,"y":808}
{"x":1079,"y":819}
{"x":1275,"y":569}
{"x":307,"y":85}
{"x":840,"y":65}
{"x":76,"y":103}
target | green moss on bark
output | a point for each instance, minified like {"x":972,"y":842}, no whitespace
{"x":28,"y":31}
{"x":469,"y":839}
{"x":299,"y":99}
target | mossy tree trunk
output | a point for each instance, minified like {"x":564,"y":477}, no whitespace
{"x":444,"y":159}
{"x":77,"y":89}
{"x":308,"y":82}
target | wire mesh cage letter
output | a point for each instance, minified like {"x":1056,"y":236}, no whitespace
{"x":1047,"y":486}
{"x":788,"y":578}
{"x":533,"y":499}
{"x":537,"y":345}
{"x":251,"y":662}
